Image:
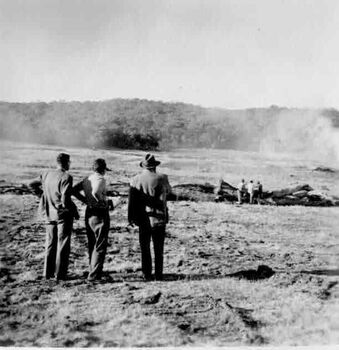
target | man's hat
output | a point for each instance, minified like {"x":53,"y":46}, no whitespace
{"x":149,"y":162}
{"x":99,"y":165}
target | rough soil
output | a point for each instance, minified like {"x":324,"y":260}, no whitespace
{"x":213,"y":293}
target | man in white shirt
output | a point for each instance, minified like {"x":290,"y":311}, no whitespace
{"x":250,"y":190}
{"x":97,"y":218}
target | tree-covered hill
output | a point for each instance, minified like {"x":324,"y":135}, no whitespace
{"x":143,"y":124}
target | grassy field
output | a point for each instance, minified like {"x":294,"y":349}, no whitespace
{"x":211,"y":295}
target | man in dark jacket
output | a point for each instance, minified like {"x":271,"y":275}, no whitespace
{"x":147,"y":208}
{"x":58,"y":210}
{"x":97,"y":218}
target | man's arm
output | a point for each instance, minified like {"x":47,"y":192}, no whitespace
{"x":167,"y":186}
{"x":76,"y":192}
{"x":134,"y":206}
{"x":66,"y":191}
{"x":130,"y":206}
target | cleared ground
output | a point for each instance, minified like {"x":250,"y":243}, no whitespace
{"x":212,"y":293}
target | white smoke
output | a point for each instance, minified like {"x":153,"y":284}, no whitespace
{"x":306,"y":133}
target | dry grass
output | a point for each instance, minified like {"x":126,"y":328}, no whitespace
{"x":199,"y":304}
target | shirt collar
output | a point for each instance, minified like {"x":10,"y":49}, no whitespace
{"x":97,"y":176}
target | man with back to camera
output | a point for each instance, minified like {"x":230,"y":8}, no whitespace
{"x":260,"y":189}
{"x":241,"y":190}
{"x":97,"y":217}
{"x":250,"y":190}
{"x":59,"y":211}
{"x":257,"y":192}
{"x":147,"y":208}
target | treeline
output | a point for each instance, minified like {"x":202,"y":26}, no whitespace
{"x":138,"y":124}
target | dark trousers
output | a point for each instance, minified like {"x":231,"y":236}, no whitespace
{"x":240,"y":196}
{"x":157,"y":234}
{"x":97,"y":226}
{"x":58,"y":247}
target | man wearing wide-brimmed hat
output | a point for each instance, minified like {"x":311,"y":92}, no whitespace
{"x":59,"y":212}
{"x":147,"y":208}
{"x":97,"y":218}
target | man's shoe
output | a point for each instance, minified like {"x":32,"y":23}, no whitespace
{"x":147,"y":278}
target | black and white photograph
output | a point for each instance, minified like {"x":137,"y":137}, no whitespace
{"x":169,"y":173}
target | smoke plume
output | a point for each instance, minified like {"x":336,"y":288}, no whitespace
{"x":306,"y":133}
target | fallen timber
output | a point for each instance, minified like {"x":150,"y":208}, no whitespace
{"x":303,"y":195}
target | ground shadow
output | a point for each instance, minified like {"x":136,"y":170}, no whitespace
{"x":169,"y":277}
{"x":334,"y":272}
{"x":263,"y":272}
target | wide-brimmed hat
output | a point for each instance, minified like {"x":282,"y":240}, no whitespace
{"x":149,"y":162}
{"x":99,"y":165}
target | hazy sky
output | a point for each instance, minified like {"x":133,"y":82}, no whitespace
{"x":227,"y":53}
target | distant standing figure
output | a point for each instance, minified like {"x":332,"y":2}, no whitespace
{"x":59,"y":211}
{"x":97,"y":218}
{"x":147,"y":208}
{"x":260,"y":189}
{"x":241,"y":190}
{"x":257,"y":192}
{"x":250,"y":190}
